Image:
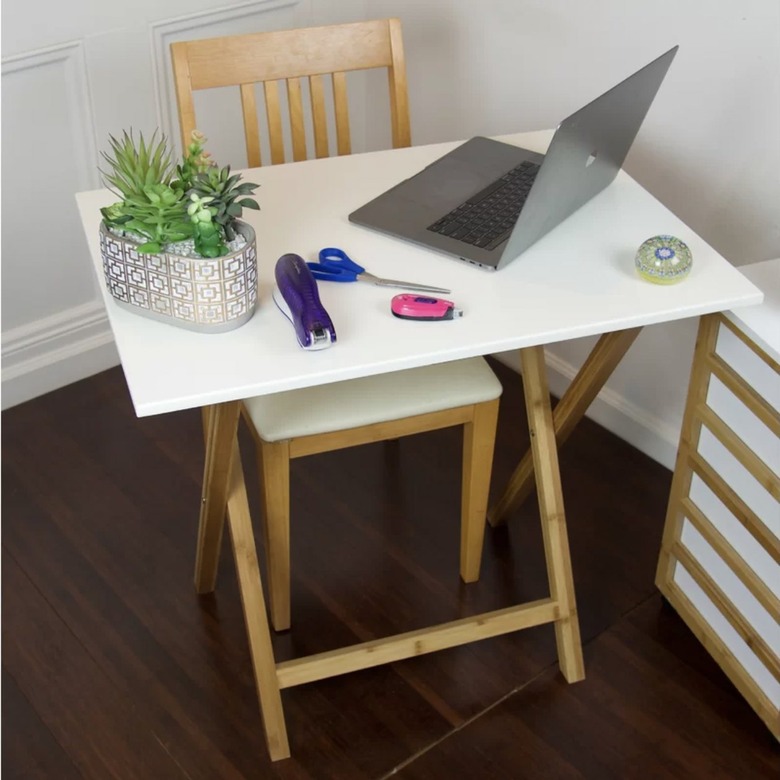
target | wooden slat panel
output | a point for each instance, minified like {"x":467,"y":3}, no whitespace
{"x":297,"y":128}
{"x":274,"y":115}
{"x":319,"y":119}
{"x":738,"y":622}
{"x":726,"y":436}
{"x":741,"y":511}
{"x":745,"y":393}
{"x":690,"y":430}
{"x":341,"y":105}
{"x":238,"y":59}
{"x":251,"y":129}
{"x":733,"y":559}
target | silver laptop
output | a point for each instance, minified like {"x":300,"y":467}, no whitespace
{"x":486,"y":202}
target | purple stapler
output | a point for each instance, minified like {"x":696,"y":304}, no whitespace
{"x":298,"y":299}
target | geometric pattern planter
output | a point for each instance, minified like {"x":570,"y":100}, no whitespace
{"x":210,"y":295}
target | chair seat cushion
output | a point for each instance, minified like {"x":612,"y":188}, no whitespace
{"x":342,"y":405}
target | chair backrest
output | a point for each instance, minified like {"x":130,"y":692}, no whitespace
{"x":292,"y":56}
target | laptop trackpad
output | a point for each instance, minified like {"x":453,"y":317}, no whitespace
{"x":448,"y":183}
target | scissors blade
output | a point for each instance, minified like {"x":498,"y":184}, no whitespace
{"x":367,"y":277}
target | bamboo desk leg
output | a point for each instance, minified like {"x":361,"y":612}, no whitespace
{"x":224,"y":489}
{"x":591,"y":377}
{"x":548,"y":488}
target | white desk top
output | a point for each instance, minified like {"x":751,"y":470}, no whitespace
{"x":762,"y":322}
{"x":577,"y":281}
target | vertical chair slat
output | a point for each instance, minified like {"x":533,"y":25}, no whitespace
{"x":319,"y":119}
{"x":396,"y":77}
{"x":297,"y":128}
{"x":341,"y":106}
{"x":275,"y":137}
{"x":251,"y":129}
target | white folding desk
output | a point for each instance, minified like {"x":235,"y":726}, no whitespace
{"x":577,"y":281}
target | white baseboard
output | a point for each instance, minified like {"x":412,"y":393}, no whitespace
{"x":51,"y":353}
{"x":655,"y":437}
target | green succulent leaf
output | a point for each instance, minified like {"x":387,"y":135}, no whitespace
{"x":138,"y":226}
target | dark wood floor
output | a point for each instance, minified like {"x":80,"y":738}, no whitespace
{"x":114,"y":668}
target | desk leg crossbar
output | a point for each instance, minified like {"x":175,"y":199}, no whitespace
{"x":224,"y":487}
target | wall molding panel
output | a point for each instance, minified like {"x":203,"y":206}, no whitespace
{"x":51,"y":350}
{"x":81,"y":120}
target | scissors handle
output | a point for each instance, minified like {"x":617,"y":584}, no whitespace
{"x":328,"y":274}
{"x":338,"y":258}
{"x":336,"y":266}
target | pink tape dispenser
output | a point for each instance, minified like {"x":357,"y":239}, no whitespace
{"x":423,"y":307}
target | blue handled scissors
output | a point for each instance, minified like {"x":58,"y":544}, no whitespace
{"x":336,"y":266}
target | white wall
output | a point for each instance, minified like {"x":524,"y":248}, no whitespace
{"x":709,"y":149}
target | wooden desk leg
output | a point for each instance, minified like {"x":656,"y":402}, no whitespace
{"x":255,"y":616}
{"x":548,"y":488}
{"x":569,"y":410}
{"x":221,"y":423}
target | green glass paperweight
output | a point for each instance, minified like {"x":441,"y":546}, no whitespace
{"x":663,"y":260}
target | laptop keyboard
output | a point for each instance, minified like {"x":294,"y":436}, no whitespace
{"x":487,"y":218}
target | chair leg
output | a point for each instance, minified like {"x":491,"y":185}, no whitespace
{"x":274,"y":464}
{"x":479,"y":437}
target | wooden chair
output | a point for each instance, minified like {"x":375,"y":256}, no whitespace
{"x":320,"y":419}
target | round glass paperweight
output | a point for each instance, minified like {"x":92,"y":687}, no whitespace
{"x":663,"y":260}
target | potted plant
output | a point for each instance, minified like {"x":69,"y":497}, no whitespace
{"x":174,"y":247}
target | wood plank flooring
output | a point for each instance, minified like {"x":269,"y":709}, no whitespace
{"x":113,"y":667}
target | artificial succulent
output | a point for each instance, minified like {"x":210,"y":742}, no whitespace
{"x":227,"y":194}
{"x":166,"y":203}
